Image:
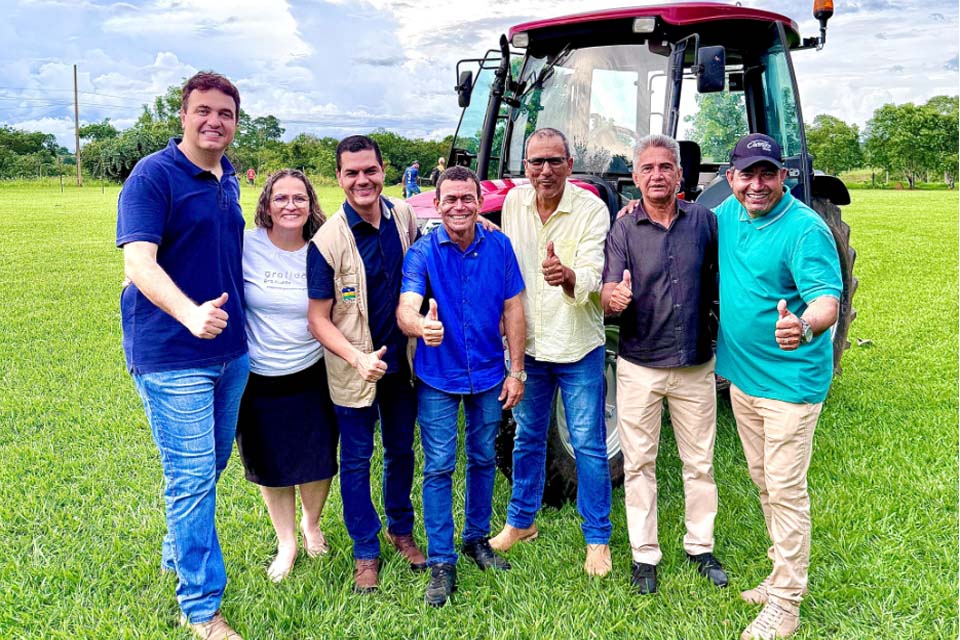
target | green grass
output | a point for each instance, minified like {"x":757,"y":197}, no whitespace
{"x":80,"y":484}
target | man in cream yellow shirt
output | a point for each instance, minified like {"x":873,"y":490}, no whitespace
{"x":558,"y":232}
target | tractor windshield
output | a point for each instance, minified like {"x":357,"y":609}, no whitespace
{"x":603,"y":98}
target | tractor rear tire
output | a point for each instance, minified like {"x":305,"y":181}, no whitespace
{"x":847,"y":256}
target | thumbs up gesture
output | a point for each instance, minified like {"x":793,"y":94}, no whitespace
{"x":553,"y":270}
{"x":622,"y":294}
{"x":788,"y":329}
{"x":431,"y":329}
{"x":371,"y":366}
{"x":208,"y":320}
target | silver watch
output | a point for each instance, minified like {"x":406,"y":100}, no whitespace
{"x":519,"y":375}
{"x":806,"y":332}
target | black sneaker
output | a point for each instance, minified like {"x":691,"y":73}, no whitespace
{"x":484,"y":555}
{"x":710,"y":567}
{"x":443,"y":582}
{"x":644,"y":577}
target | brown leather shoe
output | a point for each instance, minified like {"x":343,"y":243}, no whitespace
{"x":408,"y":549}
{"x":365,"y":574}
{"x":511,"y":535}
{"x":214,"y":629}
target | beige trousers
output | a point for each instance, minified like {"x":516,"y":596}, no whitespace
{"x":692,"y":397}
{"x":777,"y":440}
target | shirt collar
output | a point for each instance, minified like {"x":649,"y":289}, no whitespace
{"x":353,"y":218}
{"x":444,"y":238}
{"x":180,"y":158}
{"x":566,"y":200}
{"x":640,"y":213}
{"x":775,"y":214}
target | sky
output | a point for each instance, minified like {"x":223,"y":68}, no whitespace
{"x":338,"y":67}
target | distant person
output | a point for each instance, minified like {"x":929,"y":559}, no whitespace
{"x":411,"y":179}
{"x":558,"y":230}
{"x":474,"y":283}
{"x":660,"y":277}
{"x":181,"y":229}
{"x":780,"y":288}
{"x":287,"y":431}
{"x":354,"y":270}
{"x":251,"y":176}
{"x":437,"y":170}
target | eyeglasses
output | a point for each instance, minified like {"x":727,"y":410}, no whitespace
{"x":298,"y":200}
{"x":554,"y":162}
{"x":467,"y":200}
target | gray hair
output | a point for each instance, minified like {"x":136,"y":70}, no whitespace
{"x":550,"y":132}
{"x":657,"y":140}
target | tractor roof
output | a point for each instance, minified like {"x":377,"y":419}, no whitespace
{"x":717,"y":23}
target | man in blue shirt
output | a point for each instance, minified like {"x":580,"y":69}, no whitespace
{"x":473,"y":282}
{"x":181,"y":229}
{"x":780,"y":286}
{"x":411,"y":179}
{"x":660,"y":274}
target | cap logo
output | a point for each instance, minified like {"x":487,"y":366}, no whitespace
{"x":762,"y":144}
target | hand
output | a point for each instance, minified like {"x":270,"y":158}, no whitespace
{"x":208,"y":320}
{"x":431,"y":329}
{"x":512,"y":392}
{"x":370,"y":366}
{"x":622,"y":294}
{"x":628,"y":208}
{"x":487,"y":225}
{"x":788,"y":330}
{"x":553,"y":271}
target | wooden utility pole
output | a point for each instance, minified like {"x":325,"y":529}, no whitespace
{"x":76,"y":127}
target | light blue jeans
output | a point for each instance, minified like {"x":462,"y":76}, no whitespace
{"x":582,"y":394}
{"x":193,"y":418}
{"x":438,"y":432}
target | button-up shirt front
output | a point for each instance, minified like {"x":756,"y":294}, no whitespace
{"x":560,"y":328}
{"x":470,"y":287}
{"x":674,"y":276}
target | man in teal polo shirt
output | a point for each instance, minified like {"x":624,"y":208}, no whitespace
{"x":780,"y":287}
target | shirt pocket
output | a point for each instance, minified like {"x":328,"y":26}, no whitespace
{"x":566,"y":250}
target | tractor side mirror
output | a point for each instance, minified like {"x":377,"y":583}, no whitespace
{"x":464,"y":89}
{"x":711,"y":65}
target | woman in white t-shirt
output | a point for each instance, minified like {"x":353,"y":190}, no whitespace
{"x":287,"y":431}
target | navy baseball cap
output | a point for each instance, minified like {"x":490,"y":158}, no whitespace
{"x":755,"y":148}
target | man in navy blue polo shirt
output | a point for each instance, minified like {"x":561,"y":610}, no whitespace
{"x":661,"y":277}
{"x":473,"y":281}
{"x":181,"y":229}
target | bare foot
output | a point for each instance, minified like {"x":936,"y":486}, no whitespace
{"x":283,"y":562}
{"x":313,"y":539}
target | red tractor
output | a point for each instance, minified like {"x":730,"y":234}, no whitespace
{"x":703,"y":73}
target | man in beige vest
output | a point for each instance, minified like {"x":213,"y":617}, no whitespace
{"x":354,"y":270}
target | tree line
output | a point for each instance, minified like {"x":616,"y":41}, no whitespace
{"x":906,"y":142}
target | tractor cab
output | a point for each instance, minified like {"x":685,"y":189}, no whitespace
{"x":703,"y":73}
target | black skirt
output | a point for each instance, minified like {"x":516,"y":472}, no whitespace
{"x":287,"y":432}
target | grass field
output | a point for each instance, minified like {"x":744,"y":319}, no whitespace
{"x":80,"y":484}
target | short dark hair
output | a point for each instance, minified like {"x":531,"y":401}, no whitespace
{"x":458,"y":174}
{"x":355,"y":144}
{"x":205,"y":81}
{"x":314,"y":220}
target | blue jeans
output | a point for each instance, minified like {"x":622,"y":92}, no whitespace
{"x":438,"y":432}
{"x":396,"y":407}
{"x":582,"y":394}
{"x":193,"y":418}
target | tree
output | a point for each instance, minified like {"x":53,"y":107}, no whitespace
{"x":835,"y":145}
{"x":913,"y":140}
{"x":99,"y":131}
{"x":720,"y":121}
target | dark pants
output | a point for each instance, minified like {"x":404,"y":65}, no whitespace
{"x":395,"y":406}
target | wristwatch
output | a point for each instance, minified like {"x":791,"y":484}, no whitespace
{"x":806,"y":332}
{"x":519,"y":375}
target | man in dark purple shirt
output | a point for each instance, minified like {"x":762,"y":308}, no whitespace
{"x":660,"y":275}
